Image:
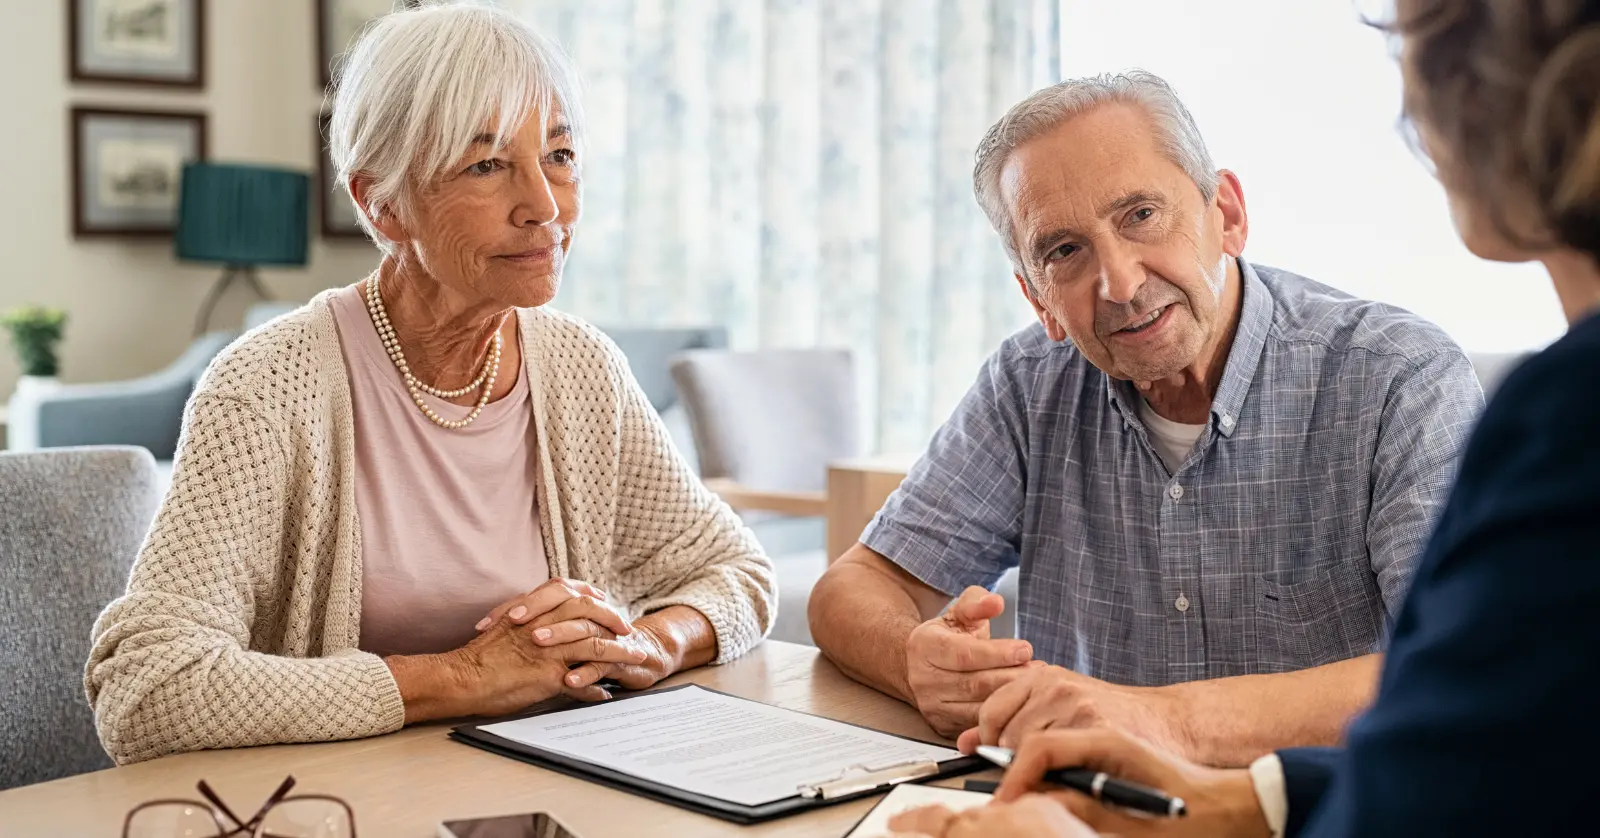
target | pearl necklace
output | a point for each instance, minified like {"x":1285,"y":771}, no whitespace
{"x":391,"y":344}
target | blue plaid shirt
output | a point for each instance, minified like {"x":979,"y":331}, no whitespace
{"x":1286,"y":540}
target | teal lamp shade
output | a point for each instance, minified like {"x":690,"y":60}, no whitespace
{"x":242,"y":215}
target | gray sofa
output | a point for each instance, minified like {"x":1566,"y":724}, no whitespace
{"x":71,"y":521}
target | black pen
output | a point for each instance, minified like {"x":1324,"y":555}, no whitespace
{"x":1100,"y":786}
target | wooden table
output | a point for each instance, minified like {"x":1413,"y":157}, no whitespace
{"x":856,"y":491}
{"x":402,"y":785}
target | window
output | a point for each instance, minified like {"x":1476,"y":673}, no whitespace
{"x":1301,"y":101}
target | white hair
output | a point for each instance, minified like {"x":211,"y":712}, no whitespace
{"x":419,"y":85}
{"x":1044,"y":110}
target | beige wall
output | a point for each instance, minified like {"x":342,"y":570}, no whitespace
{"x":132,"y":306}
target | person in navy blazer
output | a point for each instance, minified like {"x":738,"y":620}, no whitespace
{"x":1487,"y":720}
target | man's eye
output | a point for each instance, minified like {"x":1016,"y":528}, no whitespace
{"x":1062,"y":252}
{"x":1143,"y":214}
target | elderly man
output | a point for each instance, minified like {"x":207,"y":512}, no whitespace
{"x":1216,"y":478}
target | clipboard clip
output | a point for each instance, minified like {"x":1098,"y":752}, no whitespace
{"x":859,"y":778}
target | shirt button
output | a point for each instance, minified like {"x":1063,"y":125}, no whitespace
{"x":1182,"y":604}
{"x":1227,"y":420}
{"x":1175,"y":491}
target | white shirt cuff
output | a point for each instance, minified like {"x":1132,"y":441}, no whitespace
{"x":1266,"y":774}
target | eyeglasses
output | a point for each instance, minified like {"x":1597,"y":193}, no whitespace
{"x":282,"y":816}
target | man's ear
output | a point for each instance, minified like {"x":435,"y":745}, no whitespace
{"x":383,"y":219}
{"x":1235,"y":221}
{"x":1052,"y":326}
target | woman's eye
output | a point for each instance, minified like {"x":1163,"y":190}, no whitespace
{"x":484,"y":167}
{"x":563,"y":157}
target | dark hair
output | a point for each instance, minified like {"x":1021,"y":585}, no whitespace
{"x":1509,"y":91}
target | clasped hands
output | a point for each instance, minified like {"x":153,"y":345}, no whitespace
{"x":562,"y":637}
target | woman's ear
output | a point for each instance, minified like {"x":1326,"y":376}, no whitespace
{"x":382,"y":218}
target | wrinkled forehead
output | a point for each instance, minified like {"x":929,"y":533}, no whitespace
{"x":1076,"y":174}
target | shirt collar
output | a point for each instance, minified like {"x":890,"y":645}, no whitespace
{"x":1255,"y":320}
{"x":1249,"y":338}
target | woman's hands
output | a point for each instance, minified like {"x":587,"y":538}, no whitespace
{"x":506,"y":671}
{"x":564,"y":611}
{"x":505,"y":668}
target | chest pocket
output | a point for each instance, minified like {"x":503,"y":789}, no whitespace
{"x":1330,"y":615}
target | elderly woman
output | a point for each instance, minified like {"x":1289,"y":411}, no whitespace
{"x":383,"y":502}
{"x":1490,"y":678}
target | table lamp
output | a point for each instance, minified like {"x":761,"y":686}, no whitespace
{"x":241,"y":216}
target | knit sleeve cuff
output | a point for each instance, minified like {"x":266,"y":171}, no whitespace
{"x":388,"y":707}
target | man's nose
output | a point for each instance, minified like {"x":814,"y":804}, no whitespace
{"x":1121,"y":275}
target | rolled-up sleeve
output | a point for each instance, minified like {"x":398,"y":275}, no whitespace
{"x":956,"y":520}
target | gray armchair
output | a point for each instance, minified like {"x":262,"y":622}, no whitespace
{"x":71,"y":521}
{"x":767,"y":424}
{"x":649,"y":352}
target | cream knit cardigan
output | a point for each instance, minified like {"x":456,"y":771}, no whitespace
{"x":242,"y":615}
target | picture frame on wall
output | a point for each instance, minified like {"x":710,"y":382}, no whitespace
{"x":126,"y":166}
{"x":137,"y":42}
{"x":338,"y":24}
{"x":336,"y":211}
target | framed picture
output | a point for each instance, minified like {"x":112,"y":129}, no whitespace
{"x":151,"y":42}
{"x":336,"y":211}
{"x":338,"y":24}
{"x":126,"y":166}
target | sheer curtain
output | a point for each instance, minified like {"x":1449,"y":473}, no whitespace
{"x":1301,"y":100}
{"x":800,"y":172}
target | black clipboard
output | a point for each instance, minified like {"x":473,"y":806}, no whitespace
{"x":738,"y":813}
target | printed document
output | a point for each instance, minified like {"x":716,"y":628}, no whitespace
{"x":717,"y":745}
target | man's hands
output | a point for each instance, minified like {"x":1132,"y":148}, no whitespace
{"x":1052,"y":697}
{"x":952,"y":665}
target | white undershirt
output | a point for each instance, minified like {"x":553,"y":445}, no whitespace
{"x":1172,"y":440}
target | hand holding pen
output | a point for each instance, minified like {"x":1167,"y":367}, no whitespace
{"x":1216,"y":803}
{"x":1100,"y":786}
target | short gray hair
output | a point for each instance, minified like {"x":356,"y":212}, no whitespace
{"x":1048,"y":108}
{"x":419,"y":85}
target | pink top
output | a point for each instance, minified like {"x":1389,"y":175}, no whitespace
{"x":449,"y":518}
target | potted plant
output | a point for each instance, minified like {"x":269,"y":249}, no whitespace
{"x":34,"y":333}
